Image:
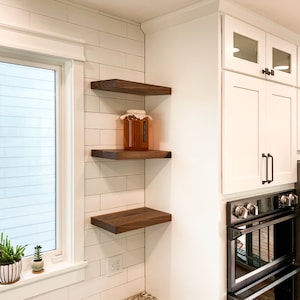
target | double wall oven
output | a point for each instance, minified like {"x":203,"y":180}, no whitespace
{"x":261,"y":247}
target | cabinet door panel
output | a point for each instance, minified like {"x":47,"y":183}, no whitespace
{"x":281,"y":56}
{"x":243,"y":47}
{"x":281,"y":131}
{"x":242,"y":135}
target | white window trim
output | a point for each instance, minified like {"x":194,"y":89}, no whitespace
{"x":70,"y":268}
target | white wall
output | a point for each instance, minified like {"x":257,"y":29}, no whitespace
{"x":114,"y":48}
{"x":185,"y":260}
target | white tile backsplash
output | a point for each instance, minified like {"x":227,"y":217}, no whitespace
{"x":113,"y":42}
{"x":135,"y":241}
{"x":126,"y":167}
{"x":135,"y":63}
{"x":136,"y":271}
{"x":111,"y":57}
{"x":91,"y":237}
{"x":14,"y":16}
{"x":60,"y":294}
{"x":135,"y":32}
{"x":135,"y":48}
{"x":90,"y":36}
{"x":112,"y":200}
{"x":92,"y":104}
{"x":134,"y":257}
{"x":128,"y":289}
{"x":84,"y":18}
{"x":113,"y":105}
{"x":105,"y":185}
{"x":114,"y":48}
{"x":92,"y":137}
{"x":92,"y":203}
{"x":51,"y":8}
{"x":135,"y":182}
{"x":112,"y":138}
{"x":93,"y":270}
{"x":110,"y":121}
{"x":92,"y":70}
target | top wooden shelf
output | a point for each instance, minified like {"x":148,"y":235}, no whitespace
{"x":130,"y":87}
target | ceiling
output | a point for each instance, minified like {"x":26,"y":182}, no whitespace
{"x":284,"y":12}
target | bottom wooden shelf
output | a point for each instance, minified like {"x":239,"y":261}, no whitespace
{"x":130,"y":219}
{"x":129,"y":154}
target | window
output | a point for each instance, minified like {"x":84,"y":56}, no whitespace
{"x":30,"y":148}
{"x":66,"y":266}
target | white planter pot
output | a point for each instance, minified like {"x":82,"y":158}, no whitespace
{"x":10,"y":273}
{"x":37,"y":266}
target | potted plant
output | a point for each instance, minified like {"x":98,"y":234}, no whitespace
{"x":10,"y":260}
{"x":37,"y":263}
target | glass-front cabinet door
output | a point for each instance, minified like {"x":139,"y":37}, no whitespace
{"x":250,"y":50}
{"x":243,"y":47}
{"x":281,"y":59}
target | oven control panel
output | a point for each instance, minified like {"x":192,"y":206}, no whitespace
{"x":239,"y":210}
{"x":287,"y":200}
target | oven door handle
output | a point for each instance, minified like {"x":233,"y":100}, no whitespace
{"x":235,"y":232}
{"x":265,"y":288}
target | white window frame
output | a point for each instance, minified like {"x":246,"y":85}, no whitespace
{"x":61,"y":134}
{"x":66,"y":269}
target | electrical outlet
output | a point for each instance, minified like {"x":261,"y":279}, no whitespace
{"x":114,"y":264}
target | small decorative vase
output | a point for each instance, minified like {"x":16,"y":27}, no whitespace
{"x":37,"y":266}
{"x":10,"y":272}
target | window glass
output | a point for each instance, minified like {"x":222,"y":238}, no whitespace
{"x":28,"y":201}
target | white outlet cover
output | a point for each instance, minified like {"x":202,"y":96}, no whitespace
{"x":114,"y":264}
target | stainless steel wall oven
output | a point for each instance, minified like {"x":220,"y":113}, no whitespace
{"x":261,"y":247}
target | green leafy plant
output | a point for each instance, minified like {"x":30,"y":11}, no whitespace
{"x":37,"y":253}
{"x":9,"y":254}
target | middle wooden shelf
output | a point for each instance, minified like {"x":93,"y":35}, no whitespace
{"x":132,"y":219}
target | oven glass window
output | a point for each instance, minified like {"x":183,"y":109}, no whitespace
{"x":262,"y":246}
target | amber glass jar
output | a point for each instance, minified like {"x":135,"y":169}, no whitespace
{"x":136,"y":130}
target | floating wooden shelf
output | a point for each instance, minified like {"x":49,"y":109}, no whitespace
{"x":119,"y":154}
{"x":130,"y":87}
{"x":131,"y":219}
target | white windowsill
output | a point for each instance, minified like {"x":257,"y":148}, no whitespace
{"x":54,"y":277}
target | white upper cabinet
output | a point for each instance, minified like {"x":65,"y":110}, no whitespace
{"x":250,"y":50}
{"x":258,"y":133}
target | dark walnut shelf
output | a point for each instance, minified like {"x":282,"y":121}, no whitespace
{"x":132,"y":219}
{"x":130,"y":87}
{"x":119,"y":154}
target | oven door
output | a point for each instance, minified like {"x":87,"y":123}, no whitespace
{"x":259,"y":247}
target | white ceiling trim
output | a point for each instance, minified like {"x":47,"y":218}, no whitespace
{"x":184,"y":15}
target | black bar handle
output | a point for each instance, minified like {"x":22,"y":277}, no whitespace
{"x":272,"y":73}
{"x":235,"y":232}
{"x":265,"y":156}
{"x":272,"y":282}
{"x":272,"y":167}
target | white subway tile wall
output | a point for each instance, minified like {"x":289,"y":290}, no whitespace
{"x":114,"y":49}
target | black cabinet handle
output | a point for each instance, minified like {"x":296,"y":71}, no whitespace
{"x":266,"y":71}
{"x":272,"y":167}
{"x":265,"y":156}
